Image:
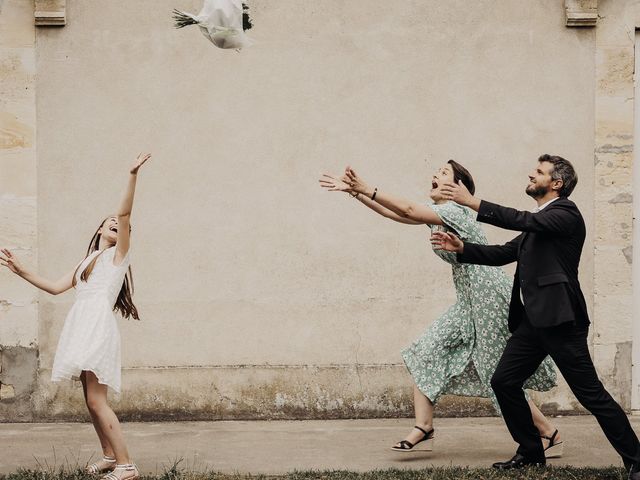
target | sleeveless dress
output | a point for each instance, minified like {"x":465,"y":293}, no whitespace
{"x":460,"y":350}
{"x":90,"y":338}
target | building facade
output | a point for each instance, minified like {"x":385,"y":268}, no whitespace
{"x":262,"y":296}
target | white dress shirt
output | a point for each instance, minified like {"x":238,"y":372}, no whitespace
{"x":544,"y":205}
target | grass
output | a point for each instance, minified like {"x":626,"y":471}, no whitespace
{"x":438,"y":473}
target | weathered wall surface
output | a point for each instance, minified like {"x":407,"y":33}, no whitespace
{"x":613,"y":301}
{"x":262,"y":296}
{"x":18,"y":193}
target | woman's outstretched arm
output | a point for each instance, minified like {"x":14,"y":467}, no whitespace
{"x":124,"y":211}
{"x":335,"y":184}
{"x":400,"y":206}
{"x":54,"y":287}
{"x":385,"y":212}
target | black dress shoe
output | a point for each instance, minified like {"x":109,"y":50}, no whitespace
{"x":634,"y":472}
{"x":518,"y":461}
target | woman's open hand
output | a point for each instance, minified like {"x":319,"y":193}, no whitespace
{"x":356,"y":183}
{"x":334,"y":184}
{"x":8,"y":260}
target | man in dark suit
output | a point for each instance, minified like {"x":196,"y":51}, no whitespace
{"x":548,"y":312}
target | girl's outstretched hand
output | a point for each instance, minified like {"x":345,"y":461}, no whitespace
{"x":334,"y":184}
{"x":8,"y":260}
{"x":139,"y":161}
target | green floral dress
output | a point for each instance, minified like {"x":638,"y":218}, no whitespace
{"x":460,"y":351}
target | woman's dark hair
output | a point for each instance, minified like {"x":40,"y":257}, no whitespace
{"x":462,"y":174}
{"x":124,"y":303}
{"x":562,"y":170}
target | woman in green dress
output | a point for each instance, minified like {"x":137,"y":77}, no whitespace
{"x":459,"y":352}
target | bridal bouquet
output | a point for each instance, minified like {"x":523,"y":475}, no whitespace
{"x":223,"y":22}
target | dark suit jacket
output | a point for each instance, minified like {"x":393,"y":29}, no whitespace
{"x":548,"y":254}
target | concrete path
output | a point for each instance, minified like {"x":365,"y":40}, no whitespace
{"x":282,"y":446}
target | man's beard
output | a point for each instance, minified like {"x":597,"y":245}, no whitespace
{"x":535,"y":191}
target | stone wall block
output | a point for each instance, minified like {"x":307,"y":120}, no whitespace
{"x":614,"y":230}
{"x":50,"y":13}
{"x":581,"y":13}
{"x":614,"y":70}
{"x":17,"y":216}
{"x":614,"y":369}
{"x":16,"y":24}
{"x":613,"y":319}
{"x":613,"y":267}
{"x":613,"y":181}
{"x":17,"y":71}
{"x":18,"y":381}
{"x":18,"y":190}
{"x":16,"y":322}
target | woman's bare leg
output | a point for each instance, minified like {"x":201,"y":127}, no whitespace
{"x":542,"y":423}
{"x":423,"y":408}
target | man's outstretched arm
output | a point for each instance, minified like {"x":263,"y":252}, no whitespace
{"x":467,"y":252}
{"x":560,"y":220}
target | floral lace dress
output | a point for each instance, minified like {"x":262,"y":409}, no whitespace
{"x":460,"y":350}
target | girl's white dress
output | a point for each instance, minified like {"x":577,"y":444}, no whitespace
{"x":90,"y":338}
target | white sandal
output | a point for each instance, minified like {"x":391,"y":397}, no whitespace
{"x":94,"y":468}
{"x":127,"y":471}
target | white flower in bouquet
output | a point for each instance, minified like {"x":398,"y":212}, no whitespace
{"x":223,"y":22}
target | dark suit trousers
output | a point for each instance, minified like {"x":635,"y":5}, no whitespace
{"x":567,"y":345}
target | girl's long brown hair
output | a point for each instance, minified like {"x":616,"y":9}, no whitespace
{"x":124,"y":303}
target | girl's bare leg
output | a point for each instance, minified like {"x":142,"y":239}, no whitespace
{"x":107,"y":451}
{"x":106,"y":423}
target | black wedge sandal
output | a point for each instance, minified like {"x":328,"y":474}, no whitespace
{"x":555,"y":449}
{"x":407,"y":446}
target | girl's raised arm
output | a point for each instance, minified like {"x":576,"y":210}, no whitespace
{"x":54,"y":287}
{"x":124,"y":211}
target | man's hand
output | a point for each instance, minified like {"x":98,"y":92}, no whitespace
{"x":459,"y":193}
{"x":447,"y":241}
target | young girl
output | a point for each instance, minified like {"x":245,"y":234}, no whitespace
{"x":459,"y":352}
{"x":89,"y":345}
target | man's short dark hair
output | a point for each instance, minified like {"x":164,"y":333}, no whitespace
{"x":562,"y":170}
